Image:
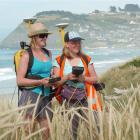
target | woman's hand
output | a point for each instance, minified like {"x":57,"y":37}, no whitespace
{"x":81,"y":78}
{"x":71,"y":76}
{"x":45,"y":82}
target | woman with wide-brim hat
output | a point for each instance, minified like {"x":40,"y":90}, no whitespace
{"x":41,"y":66}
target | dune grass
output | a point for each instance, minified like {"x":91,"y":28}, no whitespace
{"x":122,"y":77}
{"x":119,"y":120}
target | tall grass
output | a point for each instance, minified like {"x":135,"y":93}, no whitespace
{"x":121,"y":121}
{"x":123,"y":76}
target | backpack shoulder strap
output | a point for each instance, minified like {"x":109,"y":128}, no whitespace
{"x":30,"y":63}
{"x":46,"y":51}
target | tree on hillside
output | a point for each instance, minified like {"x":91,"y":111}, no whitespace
{"x":97,"y":11}
{"x":120,"y":9}
{"x":113,"y":9}
{"x":132,"y":8}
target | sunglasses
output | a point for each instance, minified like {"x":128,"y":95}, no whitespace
{"x":43,"y":35}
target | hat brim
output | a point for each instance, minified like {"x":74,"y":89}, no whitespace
{"x":38,"y":33}
{"x":76,"y":39}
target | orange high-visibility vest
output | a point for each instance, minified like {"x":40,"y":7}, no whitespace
{"x":94,"y":99}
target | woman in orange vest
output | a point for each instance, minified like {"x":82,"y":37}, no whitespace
{"x":73,"y":88}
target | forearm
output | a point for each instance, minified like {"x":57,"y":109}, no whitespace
{"x":28,"y":82}
{"x":90,"y":80}
{"x":63,"y":80}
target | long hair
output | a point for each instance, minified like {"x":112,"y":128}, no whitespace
{"x":32,"y":43}
{"x":66,"y":52}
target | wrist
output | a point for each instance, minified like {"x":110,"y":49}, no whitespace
{"x":40,"y":82}
{"x":66,"y":77}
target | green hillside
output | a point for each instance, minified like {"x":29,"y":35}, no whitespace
{"x":122,"y":77}
{"x":99,"y":29}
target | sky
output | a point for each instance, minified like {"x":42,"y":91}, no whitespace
{"x":12,"y":12}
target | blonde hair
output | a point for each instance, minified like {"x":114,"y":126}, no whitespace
{"x":66,"y":52}
{"x":32,"y":42}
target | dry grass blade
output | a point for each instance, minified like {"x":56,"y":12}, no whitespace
{"x":34,"y":134}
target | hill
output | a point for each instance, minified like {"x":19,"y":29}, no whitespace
{"x":99,"y":29}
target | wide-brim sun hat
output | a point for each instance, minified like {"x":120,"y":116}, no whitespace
{"x":37,"y":29}
{"x":72,"y":36}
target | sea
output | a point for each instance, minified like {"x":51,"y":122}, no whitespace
{"x":103,"y":59}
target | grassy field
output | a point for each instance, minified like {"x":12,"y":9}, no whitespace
{"x":119,"y":120}
{"x":122,"y":77}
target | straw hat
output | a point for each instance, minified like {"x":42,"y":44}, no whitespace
{"x":38,"y":28}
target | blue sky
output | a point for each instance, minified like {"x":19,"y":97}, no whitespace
{"x":12,"y":12}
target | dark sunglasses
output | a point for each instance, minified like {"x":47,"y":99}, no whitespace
{"x":43,"y":35}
